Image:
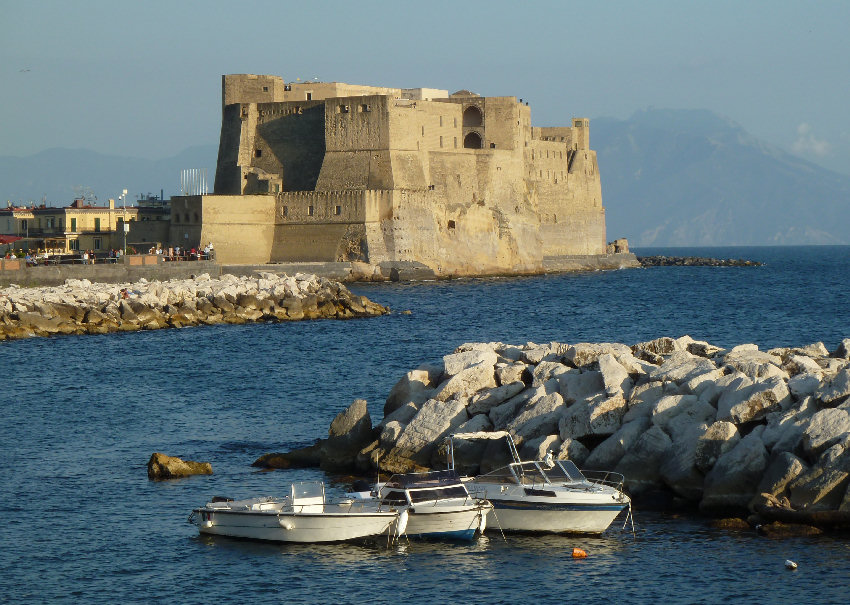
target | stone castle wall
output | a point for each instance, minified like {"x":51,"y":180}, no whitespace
{"x":461,"y":183}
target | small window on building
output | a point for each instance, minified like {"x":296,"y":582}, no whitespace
{"x":423,"y":131}
{"x":287,"y":87}
{"x":285,"y":211}
{"x":197,"y":218}
{"x":97,"y":224}
{"x":441,"y":121}
{"x":74,"y":226}
{"x":345,"y":108}
{"x":451,"y":224}
{"x":365,"y":107}
{"x":309,"y":96}
{"x":492,"y":145}
{"x":455,"y":142}
{"x":97,"y":243}
{"x":258,"y":153}
{"x":309,"y":210}
{"x":337,"y":210}
{"x":441,"y":140}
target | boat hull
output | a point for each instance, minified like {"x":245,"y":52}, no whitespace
{"x":449,"y":523}
{"x":296,"y":527}
{"x":552,"y":518}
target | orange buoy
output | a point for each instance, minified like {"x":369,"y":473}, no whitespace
{"x":579,"y":553}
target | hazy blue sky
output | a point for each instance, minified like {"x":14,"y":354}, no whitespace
{"x":143,"y":78}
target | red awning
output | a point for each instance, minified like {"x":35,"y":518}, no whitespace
{"x":8,"y":239}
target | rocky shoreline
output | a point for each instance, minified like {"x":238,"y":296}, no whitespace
{"x":694,"y":261}
{"x":687,"y":423}
{"x":82,"y":307}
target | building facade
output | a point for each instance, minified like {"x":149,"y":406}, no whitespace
{"x":85,"y":226}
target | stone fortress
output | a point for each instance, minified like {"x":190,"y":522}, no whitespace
{"x":458,"y":184}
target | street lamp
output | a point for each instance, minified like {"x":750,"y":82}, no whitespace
{"x":123,"y":197}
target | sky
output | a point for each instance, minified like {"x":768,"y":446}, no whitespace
{"x":143,"y":79}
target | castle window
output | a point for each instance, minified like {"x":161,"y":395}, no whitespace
{"x":285,"y":211}
{"x":287,"y":87}
{"x":455,"y":142}
{"x":258,"y":153}
{"x":441,"y":140}
{"x":472,"y":141}
{"x":451,"y":224}
{"x":423,"y":131}
{"x":337,"y":210}
{"x":309,"y":96}
{"x":310,"y":210}
{"x":365,"y":107}
{"x":345,"y":108}
{"x":492,"y":145}
{"x":265,"y":88}
{"x":455,"y":122}
{"x":441,"y":121}
{"x":197,"y":218}
{"x":186,"y":217}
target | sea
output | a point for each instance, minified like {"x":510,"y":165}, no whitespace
{"x":81,"y":416}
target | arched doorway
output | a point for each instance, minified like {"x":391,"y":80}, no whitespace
{"x":472,"y":141}
{"x":472,"y":116}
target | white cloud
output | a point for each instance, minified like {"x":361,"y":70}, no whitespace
{"x":808,"y":143}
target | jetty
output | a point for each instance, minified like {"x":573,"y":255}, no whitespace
{"x":686,"y":422}
{"x":81,"y":307}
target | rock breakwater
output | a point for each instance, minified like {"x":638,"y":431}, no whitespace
{"x":82,"y":307}
{"x":694,"y":261}
{"x":728,"y":430}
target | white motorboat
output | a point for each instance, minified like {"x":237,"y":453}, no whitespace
{"x":302,"y":516}
{"x":548,"y":495}
{"x":433,"y":505}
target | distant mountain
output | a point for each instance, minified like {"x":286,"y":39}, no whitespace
{"x":60,"y":174}
{"x":691,"y":177}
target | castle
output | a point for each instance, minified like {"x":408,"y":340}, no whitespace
{"x":459,"y":183}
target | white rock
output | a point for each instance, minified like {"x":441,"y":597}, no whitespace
{"x":584,"y":354}
{"x":432,"y":423}
{"x":642,"y":398}
{"x":538,"y":417}
{"x":803,"y":385}
{"x":753,"y":401}
{"x":575,"y":385}
{"x":508,"y":373}
{"x":755,"y":364}
{"x":836,"y":389}
{"x":467,"y":382}
{"x":732,"y":481}
{"x":681,"y":367}
{"x":669,"y":406}
{"x":719,"y":438}
{"x":598,"y":415}
{"x":485,"y":400}
{"x":826,"y":428}
{"x":458,"y":362}
{"x":641,"y":465}
{"x":615,"y":378}
{"x":607,"y":454}
{"x":546,"y":370}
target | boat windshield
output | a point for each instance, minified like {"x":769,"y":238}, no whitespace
{"x":307,"y":490}
{"x":431,"y":479}
{"x":428,"y":495}
{"x":565,"y":470}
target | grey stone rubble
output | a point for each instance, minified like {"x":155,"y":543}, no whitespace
{"x":726,"y":430}
{"x":80,"y":306}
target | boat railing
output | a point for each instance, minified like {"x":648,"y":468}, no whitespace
{"x":609,"y":478}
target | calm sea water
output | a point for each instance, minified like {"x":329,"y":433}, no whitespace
{"x":82,"y":415}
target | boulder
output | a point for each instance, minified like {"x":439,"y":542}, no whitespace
{"x":508,"y":373}
{"x":455,"y":363}
{"x":467,"y":381}
{"x":350,"y":432}
{"x":607,"y":454}
{"x":712,"y":391}
{"x":585,"y":354}
{"x":575,"y":385}
{"x":823,"y":487}
{"x":615,"y":378}
{"x":414,"y":386}
{"x":754,"y":401}
{"x":754,"y":363}
{"x":785,"y":429}
{"x":780,"y":472}
{"x":679,"y":469}
{"x":681,"y":366}
{"x":843,"y":350}
{"x":800,"y":364}
{"x":642,"y":399}
{"x":660,"y":346}
{"x":161,"y":466}
{"x":702,"y":349}
{"x":669,"y":406}
{"x":836,"y":390}
{"x":545,"y":370}
{"x":804,"y":384}
{"x":537,"y":448}
{"x":598,"y":415}
{"x":731,"y":483}
{"x":719,"y":438}
{"x":540,"y":416}
{"x":642,"y":463}
{"x":570,"y":449}
{"x":503,"y":413}
{"x":432,"y":423}
{"x":826,"y":428}
{"x":484,"y":401}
